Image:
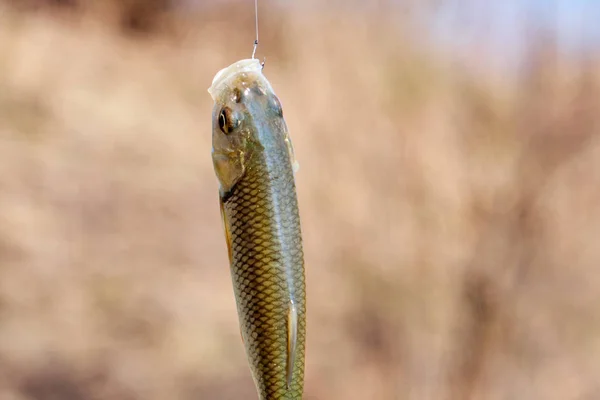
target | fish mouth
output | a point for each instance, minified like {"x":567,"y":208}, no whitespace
{"x":224,"y":75}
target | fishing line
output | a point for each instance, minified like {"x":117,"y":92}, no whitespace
{"x":256,"y":25}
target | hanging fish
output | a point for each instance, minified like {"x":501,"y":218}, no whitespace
{"x":254,"y":163}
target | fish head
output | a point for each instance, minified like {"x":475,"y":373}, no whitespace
{"x":247,"y":119}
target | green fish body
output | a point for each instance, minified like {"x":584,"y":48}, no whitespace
{"x":254,"y":163}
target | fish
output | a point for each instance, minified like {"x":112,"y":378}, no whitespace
{"x":255,"y":165}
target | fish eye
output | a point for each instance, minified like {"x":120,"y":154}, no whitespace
{"x":222,"y":121}
{"x":228,"y":120}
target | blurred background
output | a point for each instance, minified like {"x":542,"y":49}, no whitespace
{"x":449,"y":193}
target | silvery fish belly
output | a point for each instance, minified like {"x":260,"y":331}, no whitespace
{"x":254,"y":163}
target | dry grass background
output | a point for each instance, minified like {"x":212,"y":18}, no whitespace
{"x":450,"y":219}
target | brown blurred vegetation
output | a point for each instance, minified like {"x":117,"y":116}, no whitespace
{"x":450,"y":218}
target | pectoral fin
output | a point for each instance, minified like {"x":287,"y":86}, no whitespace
{"x":227,"y":231}
{"x":229,"y":168}
{"x":292,"y":339}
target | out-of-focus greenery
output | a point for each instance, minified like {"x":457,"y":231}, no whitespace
{"x":450,"y":217}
